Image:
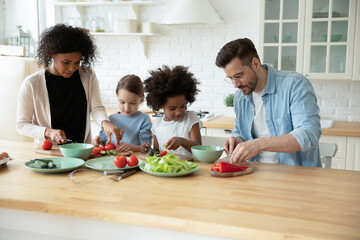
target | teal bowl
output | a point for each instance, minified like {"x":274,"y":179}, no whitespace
{"x":77,"y":150}
{"x":206,"y":153}
{"x":285,"y":38}
{"x":334,"y":37}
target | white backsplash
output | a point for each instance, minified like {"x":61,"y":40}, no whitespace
{"x":197,"y":47}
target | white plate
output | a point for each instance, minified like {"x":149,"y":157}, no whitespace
{"x":159,"y":174}
{"x":106,"y":164}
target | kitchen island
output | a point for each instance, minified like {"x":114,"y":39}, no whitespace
{"x":274,"y":202}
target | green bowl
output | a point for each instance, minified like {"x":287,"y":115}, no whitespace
{"x":334,"y":37}
{"x":206,"y":153}
{"x":77,"y":150}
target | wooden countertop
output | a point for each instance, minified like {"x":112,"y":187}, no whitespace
{"x":275,"y":202}
{"x":340,"y":128}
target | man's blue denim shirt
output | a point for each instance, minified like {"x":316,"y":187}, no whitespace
{"x":290,"y":107}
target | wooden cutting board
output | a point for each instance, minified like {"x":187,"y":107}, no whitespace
{"x":181,"y":157}
{"x":233,"y":174}
{"x":55,"y":151}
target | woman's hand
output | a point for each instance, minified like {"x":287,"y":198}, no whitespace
{"x":56,"y":135}
{"x":96,"y":141}
{"x":123,"y":147}
{"x":174,"y":143}
{"x":109,"y":129}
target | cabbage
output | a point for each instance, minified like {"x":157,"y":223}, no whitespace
{"x":169,"y":163}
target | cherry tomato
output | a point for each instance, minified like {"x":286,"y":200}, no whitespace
{"x":46,"y":145}
{"x":110,"y":146}
{"x":133,"y":161}
{"x":120,"y":161}
{"x":4,"y":155}
{"x":96,"y":151}
{"x":102,"y":148}
{"x":163,"y":153}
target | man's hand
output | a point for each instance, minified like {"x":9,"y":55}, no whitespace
{"x":231,"y":143}
{"x":55,"y":135}
{"x":246,"y":150}
{"x":109,"y":129}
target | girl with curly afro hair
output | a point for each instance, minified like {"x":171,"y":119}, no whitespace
{"x":172,"y":90}
{"x":56,"y":103}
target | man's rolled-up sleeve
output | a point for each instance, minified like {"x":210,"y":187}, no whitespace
{"x":305,"y":114}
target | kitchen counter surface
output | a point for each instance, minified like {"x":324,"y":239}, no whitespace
{"x":340,"y":128}
{"x":274,"y":202}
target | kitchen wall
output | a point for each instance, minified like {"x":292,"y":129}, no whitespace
{"x":2,"y":21}
{"x":193,"y":46}
{"x":197,"y":47}
{"x":24,"y":13}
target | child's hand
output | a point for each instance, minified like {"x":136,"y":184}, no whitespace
{"x":145,"y":147}
{"x":123,"y":147}
{"x":174,"y":143}
{"x":96,"y":141}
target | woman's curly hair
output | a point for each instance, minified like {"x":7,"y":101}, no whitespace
{"x":165,"y":82}
{"x":66,"y":39}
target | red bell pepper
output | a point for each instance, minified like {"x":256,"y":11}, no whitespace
{"x":229,"y":167}
{"x":163,"y":153}
{"x":215,"y":167}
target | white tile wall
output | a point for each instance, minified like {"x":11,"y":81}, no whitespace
{"x":2,"y":21}
{"x":197,"y":47}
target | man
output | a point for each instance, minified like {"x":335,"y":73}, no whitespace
{"x":277,"y":117}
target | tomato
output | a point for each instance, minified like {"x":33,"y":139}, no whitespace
{"x":133,"y":161}
{"x":96,"y":151}
{"x":120,"y":161}
{"x":4,"y":155}
{"x":46,"y":145}
{"x":102,"y":148}
{"x":163,"y":153}
{"x":110,"y":146}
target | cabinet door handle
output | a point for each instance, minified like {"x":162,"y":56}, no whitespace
{"x":227,"y":130}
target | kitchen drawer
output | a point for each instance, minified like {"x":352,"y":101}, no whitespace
{"x":338,"y":163}
{"x":219,"y":132}
{"x":341,"y":143}
{"x":353,"y":156}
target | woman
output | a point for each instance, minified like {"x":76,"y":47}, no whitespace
{"x":56,"y":103}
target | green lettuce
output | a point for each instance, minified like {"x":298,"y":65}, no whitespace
{"x":169,"y":163}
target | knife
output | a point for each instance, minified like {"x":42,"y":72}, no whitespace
{"x":125,"y":174}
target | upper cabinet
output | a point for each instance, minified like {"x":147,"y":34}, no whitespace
{"x":282,"y":34}
{"x":356,"y":74}
{"x":313,"y":37}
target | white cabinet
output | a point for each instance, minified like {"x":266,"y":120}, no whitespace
{"x":281,"y":34}
{"x":329,"y":39}
{"x":356,"y":70}
{"x":348,"y":152}
{"x":353,"y":152}
{"x":339,"y":160}
{"x":218,"y":132}
{"x":102,"y":18}
{"x":313,"y":37}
